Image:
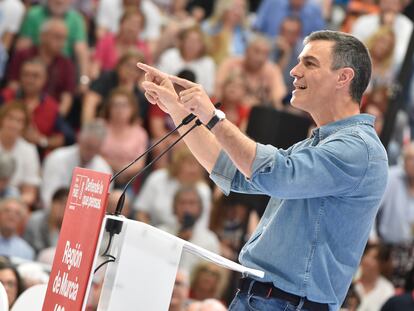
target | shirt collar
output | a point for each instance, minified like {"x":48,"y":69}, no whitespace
{"x":328,"y":129}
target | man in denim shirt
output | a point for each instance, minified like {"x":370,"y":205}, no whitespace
{"x":325,"y":190}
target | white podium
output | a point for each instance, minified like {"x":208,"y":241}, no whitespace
{"x":147,"y":260}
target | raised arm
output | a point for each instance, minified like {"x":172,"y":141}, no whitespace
{"x":205,"y":145}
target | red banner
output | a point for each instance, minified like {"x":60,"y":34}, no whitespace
{"x":75,"y":252}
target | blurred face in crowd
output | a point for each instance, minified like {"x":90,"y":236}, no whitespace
{"x":57,"y":212}
{"x":192,"y":45}
{"x":383,"y":46}
{"x":13,"y":123}
{"x":127,"y":70}
{"x":190,"y":171}
{"x":188,"y":203}
{"x":58,"y":7}
{"x":379,"y":117}
{"x":291,"y":30}
{"x":132,"y":3}
{"x":392,"y":6}
{"x":370,"y":263}
{"x":54,"y":38}
{"x":206,"y":282}
{"x":121,"y":110}
{"x":89,"y":147}
{"x":9,"y":281}
{"x":315,"y":81}
{"x":409,"y":160}
{"x":11,"y":216}
{"x":235,"y":14}
{"x":180,"y":292}
{"x":33,"y":78}
{"x":132,"y":26}
{"x":234,"y":90}
{"x":257,"y":54}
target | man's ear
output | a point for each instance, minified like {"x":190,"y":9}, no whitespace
{"x":345,"y":76}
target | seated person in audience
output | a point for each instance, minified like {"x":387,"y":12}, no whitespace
{"x":109,"y":13}
{"x":126,"y":76}
{"x":47,"y":129}
{"x":227,"y":29}
{"x":43,"y":227}
{"x":180,"y":292}
{"x":59,"y":164}
{"x":14,"y":120}
{"x":75,"y":46}
{"x":233,"y":100}
{"x":265,"y":85}
{"x":208,"y":281}
{"x":110,"y":48}
{"x":207,"y":305}
{"x":371,"y":286}
{"x":396,"y":214}
{"x":12,"y":15}
{"x":187,"y":207}
{"x":11,"y":280}
{"x":389,"y":15}
{"x":61,"y":77}
{"x":7,"y":169}
{"x":12,"y":214}
{"x":287,"y":47}
{"x":154,"y":203}
{"x":191,"y":53}
{"x":125,"y":139}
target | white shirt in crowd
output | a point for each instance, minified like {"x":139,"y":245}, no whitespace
{"x":156,"y":199}
{"x":374,"y":300}
{"x":11,"y":15}
{"x":204,"y":68}
{"x":109,"y":14}
{"x":27,"y":163}
{"x":58,"y":167}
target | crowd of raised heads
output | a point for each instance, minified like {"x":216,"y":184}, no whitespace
{"x":71,"y":95}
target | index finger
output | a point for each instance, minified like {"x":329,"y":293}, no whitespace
{"x":151,"y":70}
{"x":182,"y":82}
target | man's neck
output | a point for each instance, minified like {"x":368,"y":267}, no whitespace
{"x":335,"y":112}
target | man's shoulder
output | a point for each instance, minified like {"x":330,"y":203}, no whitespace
{"x":62,"y":153}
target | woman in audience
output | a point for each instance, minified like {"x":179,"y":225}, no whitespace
{"x":373,"y":289}
{"x":190,"y":54}
{"x":14,"y":120}
{"x":125,"y":138}
{"x":208,"y":281}
{"x":125,"y":75}
{"x":11,"y":280}
{"x":112,"y":47}
{"x":154,"y":204}
{"x":227,"y":29}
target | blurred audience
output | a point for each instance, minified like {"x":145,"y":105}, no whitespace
{"x":43,"y":227}
{"x":111,"y":47}
{"x":59,"y":164}
{"x":180,"y":292}
{"x":191,"y":54}
{"x":7,"y":169}
{"x":227,"y":29}
{"x":271,"y":13}
{"x":11,"y":280}
{"x":187,"y":207}
{"x":47,"y":129}
{"x":373,"y":289}
{"x":125,"y":139}
{"x":61,"y":73}
{"x":12,"y":215}
{"x":154,"y":203}
{"x":208,"y":281}
{"x":75,"y":45}
{"x":265,"y":85}
{"x":14,"y":120}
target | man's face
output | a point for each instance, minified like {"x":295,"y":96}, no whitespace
{"x":33,"y":78}
{"x":55,"y":38}
{"x":297,"y":4}
{"x":188,"y":203}
{"x":89,"y":147}
{"x":256,"y":55}
{"x":14,"y":122}
{"x":291,"y":31}
{"x":314,"y":82}
{"x":11,"y":216}
{"x":392,"y":6}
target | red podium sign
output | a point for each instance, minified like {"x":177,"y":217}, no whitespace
{"x":75,"y":252}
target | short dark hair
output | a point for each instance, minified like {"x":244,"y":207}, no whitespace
{"x":347,"y":51}
{"x":60,"y":194}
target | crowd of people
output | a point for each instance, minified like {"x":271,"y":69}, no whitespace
{"x":71,"y":95}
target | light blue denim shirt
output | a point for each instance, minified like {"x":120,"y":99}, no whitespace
{"x":325,"y":192}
